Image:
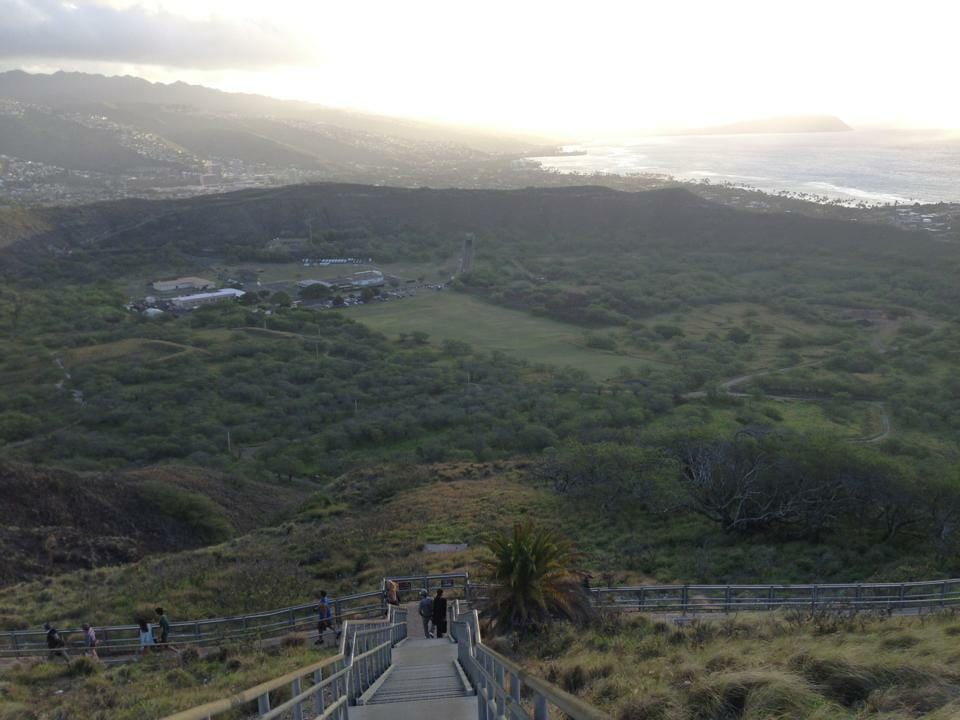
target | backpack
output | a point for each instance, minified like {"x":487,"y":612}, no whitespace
{"x":426,"y":607}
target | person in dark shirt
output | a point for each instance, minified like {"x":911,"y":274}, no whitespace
{"x":323,"y":616}
{"x":440,"y":613}
{"x":55,"y":643}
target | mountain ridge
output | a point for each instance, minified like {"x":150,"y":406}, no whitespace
{"x":782,"y":124}
{"x":66,"y":89}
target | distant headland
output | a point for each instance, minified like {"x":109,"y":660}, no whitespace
{"x":783,"y":124}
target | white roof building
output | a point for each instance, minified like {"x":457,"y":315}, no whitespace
{"x":187,"y":302}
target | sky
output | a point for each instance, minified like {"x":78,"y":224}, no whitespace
{"x":578,"y":69}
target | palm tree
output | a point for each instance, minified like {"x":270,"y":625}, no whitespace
{"x":532,"y":579}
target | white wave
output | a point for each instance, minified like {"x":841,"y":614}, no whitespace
{"x":859,"y":193}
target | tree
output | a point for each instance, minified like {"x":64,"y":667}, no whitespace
{"x":533,"y":580}
{"x":17,"y":426}
{"x":738,"y":335}
{"x":280,"y":299}
{"x":742,"y":486}
{"x":315,"y":292}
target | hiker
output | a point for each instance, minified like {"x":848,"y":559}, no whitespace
{"x":164,"y":622}
{"x":146,"y":637}
{"x":90,"y":642}
{"x":440,"y":613}
{"x":323,"y":616}
{"x":425,"y":608}
{"x":55,"y":642}
{"x":393,"y":593}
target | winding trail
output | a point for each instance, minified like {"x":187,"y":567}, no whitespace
{"x":886,"y":425}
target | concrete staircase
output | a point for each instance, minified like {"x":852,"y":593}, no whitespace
{"x":425,"y":681}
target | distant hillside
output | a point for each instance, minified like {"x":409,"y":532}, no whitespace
{"x":72,"y":90}
{"x":783,"y":124}
{"x":52,"y":521}
{"x":82,"y":242}
{"x":73,"y":139}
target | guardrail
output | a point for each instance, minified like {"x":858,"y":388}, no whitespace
{"x":736,"y":598}
{"x":332,"y":684}
{"x":504,"y":689}
{"x":124,"y":639}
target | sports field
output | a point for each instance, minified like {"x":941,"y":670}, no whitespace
{"x":456,"y":316}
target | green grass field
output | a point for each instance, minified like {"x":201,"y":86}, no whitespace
{"x":766,"y":327}
{"x":455,"y":316}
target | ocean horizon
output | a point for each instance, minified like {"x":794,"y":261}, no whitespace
{"x":871,"y":166}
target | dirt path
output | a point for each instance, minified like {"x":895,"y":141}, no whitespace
{"x":886,"y":425}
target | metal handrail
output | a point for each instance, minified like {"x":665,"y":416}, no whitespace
{"x":830,"y":596}
{"x":258,"y":625}
{"x":657,"y":598}
{"x":504,"y":689}
{"x":365,"y":654}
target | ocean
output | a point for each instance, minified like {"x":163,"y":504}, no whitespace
{"x":864,"y":165}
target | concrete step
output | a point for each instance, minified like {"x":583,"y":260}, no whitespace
{"x":464,"y":708}
{"x":421,"y":682}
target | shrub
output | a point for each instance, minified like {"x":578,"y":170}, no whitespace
{"x":899,"y":642}
{"x":16,"y":711}
{"x":850,"y":683}
{"x":179,"y":678}
{"x":573,"y":679}
{"x":84,"y":667}
{"x":292,"y":641}
{"x":723,"y":662}
{"x":655,"y":706}
{"x":197,"y":511}
{"x":668,"y":331}
{"x":601,"y":342}
{"x":918,"y":700}
{"x":753,"y":695}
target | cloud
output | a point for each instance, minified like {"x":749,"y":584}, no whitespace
{"x":89,"y":31}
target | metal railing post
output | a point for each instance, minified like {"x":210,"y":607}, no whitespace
{"x":684,"y":598}
{"x":814,"y":597}
{"x":901,"y":594}
{"x":318,"y":696}
{"x":501,"y":704}
{"x":298,"y":708}
{"x":540,"y":708}
{"x":727,"y":596}
{"x":943,"y":593}
{"x":515,"y":687}
{"x":263,"y":704}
